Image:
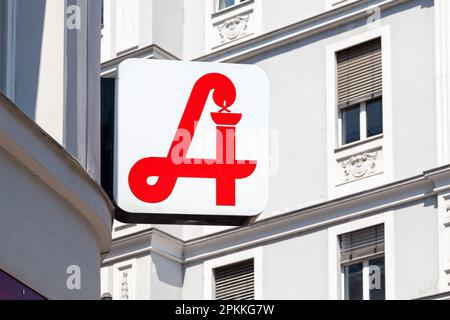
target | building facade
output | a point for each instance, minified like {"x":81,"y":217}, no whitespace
{"x":55,"y":218}
{"x":360,"y":184}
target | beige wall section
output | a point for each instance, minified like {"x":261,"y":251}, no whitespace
{"x":50,"y":91}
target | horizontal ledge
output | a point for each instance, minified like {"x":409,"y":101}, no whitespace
{"x":360,"y":143}
{"x":423,"y":182}
{"x":294,"y":32}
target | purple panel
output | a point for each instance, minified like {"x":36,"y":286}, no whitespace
{"x":13,"y":289}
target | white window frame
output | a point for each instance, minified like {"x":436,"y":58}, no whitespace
{"x":365,"y":275}
{"x":236,"y":3}
{"x":334,"y":130}
{"x":335,"y":273}
{"x":362,"y":125}
{"x":210,"y":265}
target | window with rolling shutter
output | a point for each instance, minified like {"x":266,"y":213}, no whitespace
{"x":362,"y":243}
{"x":359,"y":71}
{"x":235,"y":281}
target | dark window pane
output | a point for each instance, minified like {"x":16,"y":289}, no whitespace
{"x":103,"y":13}
{"x":374,"y":112}
{"x":107,"y":133}
{"x":353,"y":282}
{"x":350,"y":125}
{"x":377,"y":279}
{"x":225,"y":4}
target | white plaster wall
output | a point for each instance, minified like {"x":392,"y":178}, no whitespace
{"x":413,"y":95}
{"x":297,"y":268}
{"x":193,"y":277}
{"x":57,"y":75}
{"x":41,"y":235}
{"x":194,"y":29}
{"x":107,"y":280}
{"x":39,"y":75}
{"x":168,"y":17}
{"x":145,"y":22}
{"x":277,"y":14}
{"x":297,"y":99}
{"x":297,"y":74}
{"x":144,"y":278}
{"x":166,"y":278}
{"x":50,"y":98}
{"x":416,"y":250}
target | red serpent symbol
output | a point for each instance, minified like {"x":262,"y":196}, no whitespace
{"x":225,"y":171}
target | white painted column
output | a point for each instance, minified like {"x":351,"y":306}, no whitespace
{"x":444,"y":238}
{"x":442,"y":48}
{"x":82,"y":87}
{"x":442,"y":37}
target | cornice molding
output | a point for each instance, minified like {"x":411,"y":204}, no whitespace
{"x":270,"y":40}
{"x":297,"y":31}
{"x":145,"y":241}
{"x":154,"y":51}
{"x":146,"y":233}
{"x":438,"y":296}
{"x":383,"y":198}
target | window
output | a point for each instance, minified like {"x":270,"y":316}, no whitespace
{"x":107,"y":91}
{"x":235,"y":281}
{"x":362,"y":261}
{"x":223,"y":4}
{"x":362,"y":121}
{"x":359,"y":84}
{"x":350,"y":124}
{"x":103,"y":14}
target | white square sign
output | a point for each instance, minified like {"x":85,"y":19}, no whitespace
{"x":191,"y":142}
